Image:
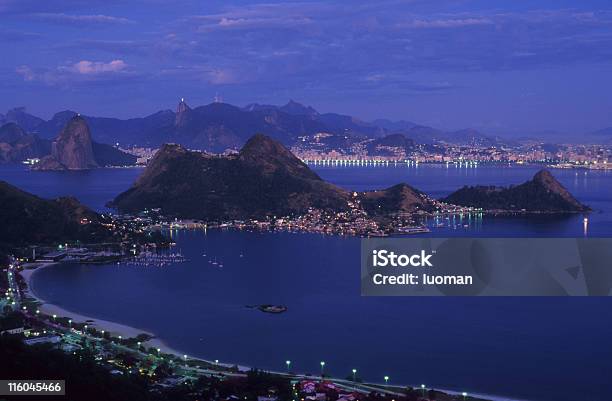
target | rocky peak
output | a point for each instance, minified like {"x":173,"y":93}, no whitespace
{"x":271,"y":156}
{"x":296,"y":108}
{"x":168,"y":151}
{"x":73,"y":146}
{"x":182,"y":111}
{"x":547,"y":181}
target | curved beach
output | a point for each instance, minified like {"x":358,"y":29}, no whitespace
{"x":100,"y":324}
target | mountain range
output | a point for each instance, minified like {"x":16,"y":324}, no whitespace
{"x":217,"y":127}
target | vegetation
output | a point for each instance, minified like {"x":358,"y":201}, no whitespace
{"x":264,"y":179}
{"x":27,"y":219}
{"x":543,"y":193}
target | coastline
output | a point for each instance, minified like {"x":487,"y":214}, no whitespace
{"x":114,"y":328}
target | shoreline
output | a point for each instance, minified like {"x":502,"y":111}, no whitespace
{"x":114,"y":328}
{"x":130,"y":331}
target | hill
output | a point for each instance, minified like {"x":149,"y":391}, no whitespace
{"x":27,"y":219}
{"x":391,"y":145}
{"x":543,"y":193}
{"x":401,"y":198}
{"x":263,"y":179}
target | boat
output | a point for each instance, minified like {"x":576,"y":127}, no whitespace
{"x":272,"y":308}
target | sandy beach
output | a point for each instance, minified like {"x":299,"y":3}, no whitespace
{"x":116,"y":329}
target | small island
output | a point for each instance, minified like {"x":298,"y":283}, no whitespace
{"x":267,"y":308}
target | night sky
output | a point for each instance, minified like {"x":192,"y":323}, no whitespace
{"x":507,"y":67}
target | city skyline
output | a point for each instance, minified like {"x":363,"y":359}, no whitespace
{"x":500,"y":67}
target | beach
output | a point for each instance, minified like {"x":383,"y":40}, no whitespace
{"x":115,"y":329}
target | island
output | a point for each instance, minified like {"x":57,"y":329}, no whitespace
{"x":542,"y":194}
{"x":267,"y":308}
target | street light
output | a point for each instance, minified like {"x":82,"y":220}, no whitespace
{"x":423,"y":388}
{"x":464,"y":394}
{"x":354,"y":374}
{"x":54,"y":317}
{"x":386,"y":380}
{"x":288,"y":363}
{"x":322,"y":367}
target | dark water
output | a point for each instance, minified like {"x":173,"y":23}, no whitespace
{"x":92,"y":187}
{"x":593,"y":188}
{"x":535,"y":348}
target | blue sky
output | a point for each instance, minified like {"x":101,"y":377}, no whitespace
{"x":498,"y":66}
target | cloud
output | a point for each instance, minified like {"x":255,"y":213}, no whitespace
{"x":249,"y":23}
{"x":26,"y":72}
{"x":75,"y":73}
{"x":87,"y":67}
{"x":448,"y":23}
{"x":261,"y":16}
{"x":70,"y":19}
